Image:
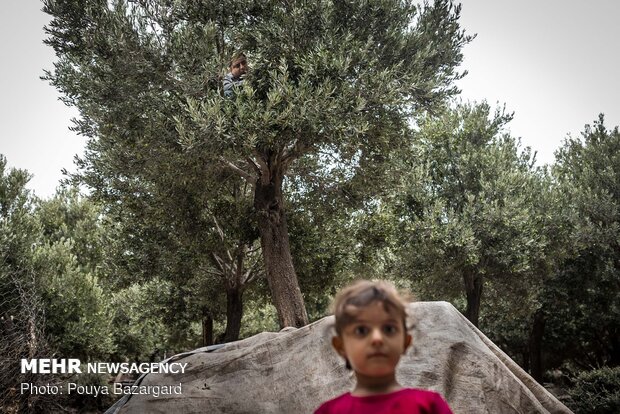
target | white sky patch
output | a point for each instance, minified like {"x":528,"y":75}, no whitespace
{"x":554,"y":63}
{"x":34,"y":124}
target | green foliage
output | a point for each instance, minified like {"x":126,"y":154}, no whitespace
{"x":18,"y":234}
{"x":469,"y":208}
{"x":67,"y":260}
{"x":53,"y":255}
{"x":583,"y":304}
{"x":77,"y":311}
{"x":21,"y":310}
{"x":597,"y":391}
{"x":260,"y":316}
{"x":41,"y":272}
{"x":139,"y":329}
{"x":321,"y":240}
{"x":70,"y":216}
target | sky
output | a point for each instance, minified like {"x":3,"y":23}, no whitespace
{"x":554,"y":63}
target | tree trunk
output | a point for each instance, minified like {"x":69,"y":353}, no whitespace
{"x":234,"y":312}
{"x":614,"y":347}
{"x":473,"y":292}
{"x":281,"y":277}
{"x":525,"y":354}
{"x":535,"y":345}
{"x":207,"y":328}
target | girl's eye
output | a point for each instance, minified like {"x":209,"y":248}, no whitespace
{"x":360,"y":330}
{"x":390,"y":329}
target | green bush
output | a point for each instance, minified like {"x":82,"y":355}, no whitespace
{"x":597,"y":391}
{"x":139,"y":330}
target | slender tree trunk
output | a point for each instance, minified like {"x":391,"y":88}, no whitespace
{"x":535,"y":345}
{"x":473,"y":292}
{"x":281,"y":276}
{"x":234,"y":312}
{"x":525,"y":354}
{"x":207,"y":328}
{"x":615,"y":353}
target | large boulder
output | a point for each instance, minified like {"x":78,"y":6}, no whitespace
{"x":295,"y":370}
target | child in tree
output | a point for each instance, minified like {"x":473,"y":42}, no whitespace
{"x":238,"y":68}
{"x":371,"y":335}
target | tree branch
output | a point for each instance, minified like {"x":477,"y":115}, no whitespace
{"x":220,"y":232}
{"x":253,"y":164}
{"x":251,"y":275}
{"x":253,"y":272}
{"x":249,"y":177}
{"x":219,"y":263}
{"x":265,"y":174}
{"x":240,"y":256}
{"x":293,"y":151}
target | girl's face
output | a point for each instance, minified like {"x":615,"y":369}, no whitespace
{"x":374,"y":342}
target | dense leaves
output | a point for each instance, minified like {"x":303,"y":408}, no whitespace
{"x":597,"y":391}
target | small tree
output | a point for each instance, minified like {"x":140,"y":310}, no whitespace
{"x":68,"y":260}
{"x":22,"y":314}
{"x":583,"y":304}
{"x":468,"y":216}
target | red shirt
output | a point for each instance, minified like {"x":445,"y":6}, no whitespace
{"x":405,"y":401}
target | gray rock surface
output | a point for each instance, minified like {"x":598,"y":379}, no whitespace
{"x":295,"y":370}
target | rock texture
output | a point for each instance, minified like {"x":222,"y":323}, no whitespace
{"x":295,"y":370}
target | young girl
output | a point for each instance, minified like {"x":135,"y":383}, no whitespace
{"x":371,"y":335}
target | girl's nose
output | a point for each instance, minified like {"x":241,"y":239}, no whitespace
{"x":377,"y":336}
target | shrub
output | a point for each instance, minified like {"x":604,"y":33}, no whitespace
{"x":597,"y":391}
